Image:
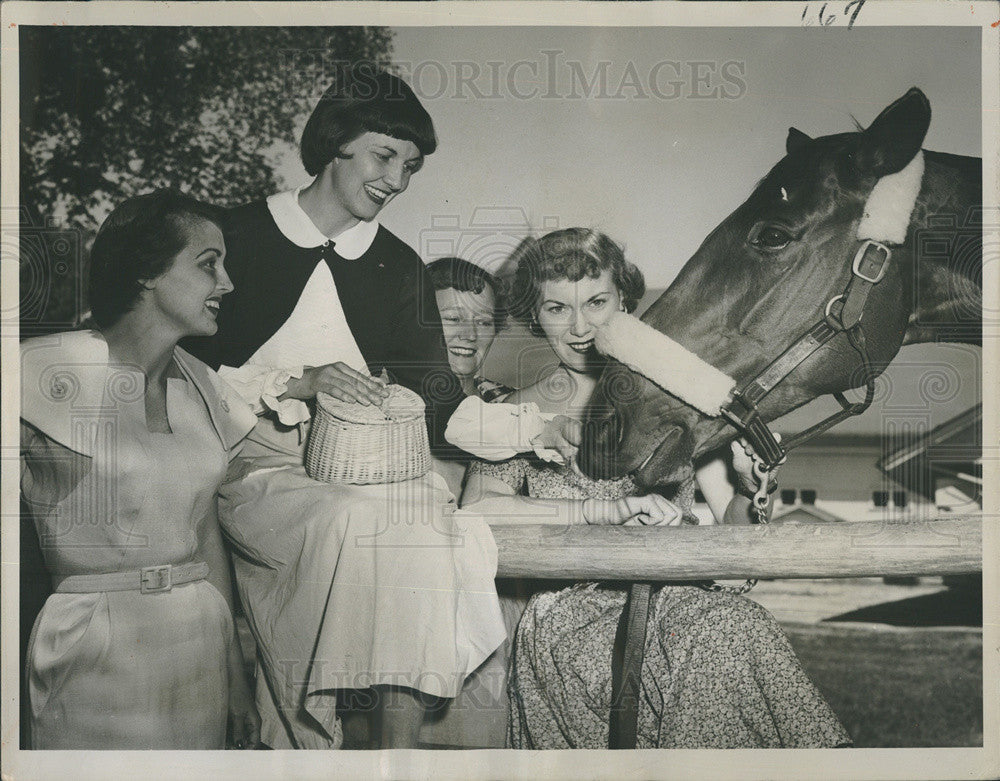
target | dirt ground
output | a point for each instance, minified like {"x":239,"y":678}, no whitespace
{"x":927,"y":602}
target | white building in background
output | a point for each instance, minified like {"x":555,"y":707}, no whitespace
{"x":866,"y":477}
{"x":836,"y":478}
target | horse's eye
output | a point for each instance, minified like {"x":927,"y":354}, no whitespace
{"x":769,"y":237}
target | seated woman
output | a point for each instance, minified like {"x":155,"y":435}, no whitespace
{"x":718,"y":671}
{"x":470,"y":301}
{"x":346,"y":587}
{"x":125,"y":439}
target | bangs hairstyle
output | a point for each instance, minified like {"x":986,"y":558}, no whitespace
{"x":570,"y":254}
{"x":364,"y":99}
{"x":139,"y":241}
{"x":466,"y":277}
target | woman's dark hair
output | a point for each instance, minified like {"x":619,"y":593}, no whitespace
{"x":138,"y":241}
{"x":467,"y":277}
{"x":571,"y":253}
{"x":364,"y":99}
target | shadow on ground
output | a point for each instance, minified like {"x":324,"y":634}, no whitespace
{"x":956,"y":606}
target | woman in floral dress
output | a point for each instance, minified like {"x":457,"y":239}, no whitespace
{"x":718,"y":671}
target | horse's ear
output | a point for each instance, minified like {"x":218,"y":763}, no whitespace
{"x":796,"y":140}
{"x":892,"y":140}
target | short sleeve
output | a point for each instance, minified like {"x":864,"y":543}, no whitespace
{"x":513,"y":472}
{"x":68,"y":389}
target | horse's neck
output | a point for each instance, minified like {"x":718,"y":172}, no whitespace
{"x":945,"y":241}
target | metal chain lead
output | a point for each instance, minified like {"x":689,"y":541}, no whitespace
{"x":760,"y":502}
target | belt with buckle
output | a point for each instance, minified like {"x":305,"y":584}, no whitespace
{"x":148,"y":580}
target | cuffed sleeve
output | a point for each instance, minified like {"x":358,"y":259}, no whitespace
{"x":261,"y":387}
{"x":498,"y":431}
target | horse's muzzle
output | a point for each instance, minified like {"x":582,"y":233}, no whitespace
{"x":598,"y":454}
{"x":669,"y":460}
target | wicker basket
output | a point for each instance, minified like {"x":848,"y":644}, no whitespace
{"x":354,"y":443}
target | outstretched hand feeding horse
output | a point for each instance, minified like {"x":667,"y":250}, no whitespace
{"x":850,"y":247}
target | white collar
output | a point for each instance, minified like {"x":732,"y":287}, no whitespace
{"x":296,"y":226}
{"x":68,"y":378}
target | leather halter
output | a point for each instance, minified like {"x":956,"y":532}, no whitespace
{"x":842,"y":315}
{"x":885,"y":220}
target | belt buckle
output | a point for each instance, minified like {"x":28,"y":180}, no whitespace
{"x":155,"y":580}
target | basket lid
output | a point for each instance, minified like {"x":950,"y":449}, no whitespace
{"x":399,"y":406}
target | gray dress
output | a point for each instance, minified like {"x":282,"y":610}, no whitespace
{"x":718,"y":670}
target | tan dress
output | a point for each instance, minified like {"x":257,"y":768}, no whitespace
{"x":123,"y":669}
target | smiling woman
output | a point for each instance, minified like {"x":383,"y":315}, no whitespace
{"x":717,"y":670}
{"x":470,"y":300}
{"x":368,"y":172}
{"x":330,"y":301}
{"x":163,"y":252}
{"x":125,"y":439}
{"x":189,"y":292}
{"x":567,"y":284}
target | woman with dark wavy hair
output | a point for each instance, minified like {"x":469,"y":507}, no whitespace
{"x":125,"y":439}
{"x":718,"y":671}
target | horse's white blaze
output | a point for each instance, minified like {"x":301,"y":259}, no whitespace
{"x":659,"y":358}
{"x":890,"y":204}
{"x":784,"y":194}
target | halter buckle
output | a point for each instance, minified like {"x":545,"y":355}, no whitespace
{"x":871,"y":273}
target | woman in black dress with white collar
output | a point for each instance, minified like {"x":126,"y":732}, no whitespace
{"x":346,"y":587}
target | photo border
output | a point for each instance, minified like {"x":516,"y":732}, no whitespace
{"x":502,"y":763}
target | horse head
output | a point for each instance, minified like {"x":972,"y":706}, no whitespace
{"x":773,"y":268}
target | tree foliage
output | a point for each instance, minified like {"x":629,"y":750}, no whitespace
{"x":110,"y":112}
{"x":107,"y":112}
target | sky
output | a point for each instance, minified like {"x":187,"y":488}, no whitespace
{"x":654,"y":135}
{"x":620,"y":138}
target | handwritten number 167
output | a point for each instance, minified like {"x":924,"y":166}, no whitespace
{"x":851,"y":10}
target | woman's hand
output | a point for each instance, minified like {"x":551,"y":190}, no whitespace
{"x":243,"y":728}
{"x":648,"y":510}
{"x":561,"y":434}
{"x":743,"y":466}
{"x":340,"y":381}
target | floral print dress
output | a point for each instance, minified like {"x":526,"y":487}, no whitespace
{"x":718,"y":671}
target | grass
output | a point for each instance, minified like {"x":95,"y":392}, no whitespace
{"x":897,"y":687}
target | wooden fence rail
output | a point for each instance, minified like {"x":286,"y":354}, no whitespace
{"x":865,"y":548}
